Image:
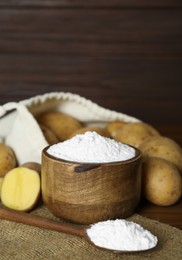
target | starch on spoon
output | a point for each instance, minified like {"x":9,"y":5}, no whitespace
{"x":121,"y":235}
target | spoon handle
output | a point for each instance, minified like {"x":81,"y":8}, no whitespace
{"x":40,"y":222}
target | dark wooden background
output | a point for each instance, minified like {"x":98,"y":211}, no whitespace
{"x":125,"y":55}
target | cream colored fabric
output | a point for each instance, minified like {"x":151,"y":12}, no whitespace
{"x":19,"y":129}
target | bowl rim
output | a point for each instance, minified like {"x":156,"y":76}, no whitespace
{"x":137,"y":156}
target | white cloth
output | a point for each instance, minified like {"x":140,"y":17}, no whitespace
{"x":20,"y":130}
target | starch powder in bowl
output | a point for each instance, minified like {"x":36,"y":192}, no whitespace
{"x":93,"y":148}
{"x":121,"y":235}
{"x":90,"y":178}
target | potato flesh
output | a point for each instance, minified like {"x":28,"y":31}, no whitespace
{"x":20,"y":189}
{"x":1,"y":182}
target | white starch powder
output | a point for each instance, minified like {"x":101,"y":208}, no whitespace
{"x":121,"y":235}
{"x":93,"y":148}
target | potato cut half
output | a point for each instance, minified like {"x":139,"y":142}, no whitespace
{"x":20,"y":189}
{"x":1,"y":182}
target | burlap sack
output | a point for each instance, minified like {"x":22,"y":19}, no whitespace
{"x":22,"y":242}
{"x":19,"y":129}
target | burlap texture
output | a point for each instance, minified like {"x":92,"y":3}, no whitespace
{"x":22,"y":242}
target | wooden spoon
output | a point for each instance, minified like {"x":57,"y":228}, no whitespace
{"x":45,"y":223}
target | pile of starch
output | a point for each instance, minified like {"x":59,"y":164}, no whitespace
{"x":93,"y":148}
{"x":121,"y":235}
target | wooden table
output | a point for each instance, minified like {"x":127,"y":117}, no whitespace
{"x":171,"y":215}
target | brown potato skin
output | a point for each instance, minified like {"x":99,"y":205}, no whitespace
{"x":163,"y":147}
{"x":161,"y":182}
{"x":7,"y":159}
{"x":62,"y":125}
{"x":33,"y":166}
{"x":114,"y":127}
{"x":49,"y":135}
{"x":135,"y":133}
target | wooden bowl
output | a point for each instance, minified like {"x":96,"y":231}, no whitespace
{"x":86,"y":193}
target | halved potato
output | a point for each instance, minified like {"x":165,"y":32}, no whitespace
{"x":20,"y":189}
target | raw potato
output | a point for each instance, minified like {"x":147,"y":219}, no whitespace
{"x":49,"y":135}
{"x":1,"y":182}
{"x":114,"y":127}
{"x":7,"y":159}
{"x":98,"y":130}
{"x":135,"y":133}
{"x":20,"y":189}
{"x":60,"y":124}
{"x":33,"y":166}
{"x":161,"y":182}
{"x":163,"y":147}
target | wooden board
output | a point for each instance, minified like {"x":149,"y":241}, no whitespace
{"x":124,"y":55}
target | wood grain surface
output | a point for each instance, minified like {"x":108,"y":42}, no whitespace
{"x":123,"y":55}
{"x":169,"y":215}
